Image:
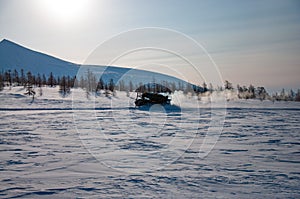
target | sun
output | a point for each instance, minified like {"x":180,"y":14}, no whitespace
{"x":65,"y":10}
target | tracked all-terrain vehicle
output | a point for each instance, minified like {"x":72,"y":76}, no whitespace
{"x":153,"y":93}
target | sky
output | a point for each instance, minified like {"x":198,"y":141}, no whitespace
{"x":251,"y":42}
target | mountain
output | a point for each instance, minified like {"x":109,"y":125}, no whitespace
{"x":14,"y":56}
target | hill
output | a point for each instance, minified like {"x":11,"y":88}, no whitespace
{"x":14,"y":56}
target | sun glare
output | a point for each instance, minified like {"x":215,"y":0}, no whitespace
{"x":65,"y":10}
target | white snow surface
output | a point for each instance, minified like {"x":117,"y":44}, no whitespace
{"x":14,"y":56}
{"x":87,"y":146}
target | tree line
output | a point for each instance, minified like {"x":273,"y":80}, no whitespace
{"x":30,"y":81}
{"x":22,"y":78}
{"x":91,"y":84}
{"x":252,"y":92}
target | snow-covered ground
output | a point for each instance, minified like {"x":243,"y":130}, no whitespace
{"x":103,"y":147}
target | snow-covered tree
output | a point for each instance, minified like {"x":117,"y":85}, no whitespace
{"x":51,"y":80}
{"x":291,"y":95}
{"x":204,"y":86}
{"x":211,"y":88}
{"x":251,"y":91}
{"x":228,"y":85}
{"x":39,"y":80}
{"x":297,"y":96}
{"x":16,"y":78}
{"x":1,"y":82}
{"x":64,"y":88}
{"x":23,"y":78}
{"x":44,"y":80}
{"x":261,"y":93}
{"x":8,"y":78}
{"x":122,"y":86}
{"x":111,"y":85}
{"x":91,"y":82}
{"x":130,"y":86}
{"x":283,"y":95}
{"x":30,"y":91}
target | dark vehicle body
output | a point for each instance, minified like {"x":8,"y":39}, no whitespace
{"x":152,"y":98}
{"x":152,"y":93}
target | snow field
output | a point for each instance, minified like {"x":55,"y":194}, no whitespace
{"x":103,"y":147}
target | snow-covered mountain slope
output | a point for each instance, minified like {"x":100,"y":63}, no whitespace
{"x":14,"y":56}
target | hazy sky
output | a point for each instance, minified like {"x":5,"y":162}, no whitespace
{"x":251,"y":41}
